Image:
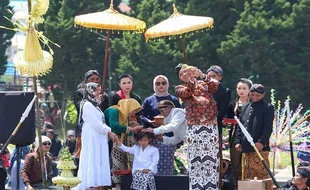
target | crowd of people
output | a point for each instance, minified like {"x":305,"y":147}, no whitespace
{"x":122,"y":134}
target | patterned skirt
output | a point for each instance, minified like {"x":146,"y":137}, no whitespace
{"x":166,"y":158}
{"x":121,"y":160}
{"x":203,"y":157}
{"x":140,"y":181}
{"x":253,"y":167}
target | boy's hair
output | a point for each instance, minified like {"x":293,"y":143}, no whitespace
{"x":140,"y":135}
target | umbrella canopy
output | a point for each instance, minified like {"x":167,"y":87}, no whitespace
{"x":109,"y":19}
{"x":178,"y":24}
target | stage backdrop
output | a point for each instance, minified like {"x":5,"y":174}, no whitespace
{"x":12,"y":106}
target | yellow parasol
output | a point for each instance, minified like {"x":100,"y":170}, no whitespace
{"x":108,"y":20}
{"x":177,"y":25}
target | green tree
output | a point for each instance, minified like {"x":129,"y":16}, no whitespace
{"x":260,"y":47}
{"x":5,"y":35}
{"x":146,"y":60}
{"x":81,"y":50}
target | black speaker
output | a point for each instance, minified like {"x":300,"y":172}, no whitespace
{"x":12,"y":106}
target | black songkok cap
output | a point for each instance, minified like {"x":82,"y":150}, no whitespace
{"x":259,"y":88}
{"x":165,"y":103}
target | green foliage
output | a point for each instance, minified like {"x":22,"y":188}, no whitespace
{"x":269,"y":42}
{"x":71,"y":113}
{"x":81,"y":50}
{"x":5,"y":35}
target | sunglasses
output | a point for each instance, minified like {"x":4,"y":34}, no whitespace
{"x":46,"y":143}
{"x":162,"y":83}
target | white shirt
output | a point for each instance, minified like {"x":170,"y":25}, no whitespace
{"x":143,"y":159}
{"x":175,"y":122}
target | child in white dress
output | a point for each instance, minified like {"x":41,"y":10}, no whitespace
{"x":145,"y":161}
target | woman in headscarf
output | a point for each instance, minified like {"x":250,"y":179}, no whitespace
{"x":117,"y":118}
{"x":202,"y":131}
{"x":150,"y":110}
{"x":94,"y":166}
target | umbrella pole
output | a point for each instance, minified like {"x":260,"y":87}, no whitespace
{"x":184,"y":50}
{"x":106,"y":59}
{"x":39,"y":132}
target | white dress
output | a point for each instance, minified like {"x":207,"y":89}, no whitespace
{"x":94,"y":167}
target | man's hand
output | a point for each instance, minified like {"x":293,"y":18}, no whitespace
{"x":238,"y":147}
{"x":259,"y":146}
{"x":145,"y":171}
{"x":148,"y":130}
{"x":136,"y":128}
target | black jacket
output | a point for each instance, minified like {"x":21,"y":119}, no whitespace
{"x":222,"y":97}
{"x":257,"y":118}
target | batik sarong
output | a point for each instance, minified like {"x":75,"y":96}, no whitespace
{"x":253,"y":167}
{"x":203,"y":157}
{"x":166,"y":158}
{"x":120,"y":159}
{"x":140,"y":181}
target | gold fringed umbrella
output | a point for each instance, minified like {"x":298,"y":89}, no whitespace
{"x":177,"y":25}
{"x":108,"y":20}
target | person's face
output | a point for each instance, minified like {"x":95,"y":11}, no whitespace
{"x":134,"y":112}
{"x":46,"y":146}
{"x":144,"y":142}
{"x":184,"y":76}
{"x":214,"y":75}
{"x":299,"y":180}
{"x":94,"y":78}
{"x":125,"y":84}
{"x":50,"y":135}
{"x":165,"y":111}
{"x":255,"y":96}
{"x":98,"y":91}
{"x":161,"y":85}
{"x":242,"y":89}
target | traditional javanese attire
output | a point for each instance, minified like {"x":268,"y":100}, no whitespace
{"x":94,"y":166}
{"x":143,"y":159}
{"x":117,"y":119}
{"x":257,"y":118}
{"x":202,"y":132}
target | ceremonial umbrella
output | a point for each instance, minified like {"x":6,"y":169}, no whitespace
{"x":177,"y":25}
{"x":109,"y":20}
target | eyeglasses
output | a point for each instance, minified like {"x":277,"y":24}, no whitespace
{"x":46,"y":143}
{"x":162,"y":83}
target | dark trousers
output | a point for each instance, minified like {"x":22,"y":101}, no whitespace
{"x":3,"y":176}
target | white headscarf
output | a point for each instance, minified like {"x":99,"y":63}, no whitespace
{"x":160,"y":94}
{"x":44,"y":139}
